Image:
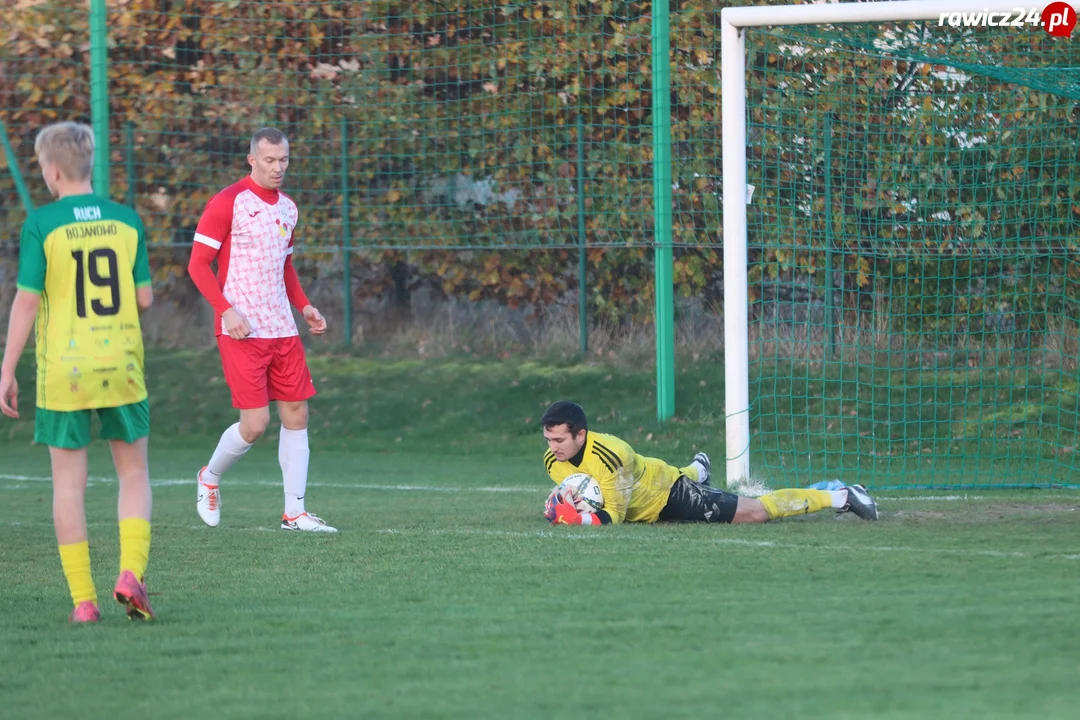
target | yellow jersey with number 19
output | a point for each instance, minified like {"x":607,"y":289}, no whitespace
{"x":85,"y":255}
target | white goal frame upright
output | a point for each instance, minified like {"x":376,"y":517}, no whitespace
{"x":733,"y":21}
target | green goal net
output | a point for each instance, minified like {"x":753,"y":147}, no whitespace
{"x":912,"y":240}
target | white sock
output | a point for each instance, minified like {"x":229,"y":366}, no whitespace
{"x":702,"y":471}
{"x":229,"y":449}
{"x":293,"y":456}
{"x":839,"y":498}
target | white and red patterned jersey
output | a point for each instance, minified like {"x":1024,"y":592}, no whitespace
{"x":249,"y":230}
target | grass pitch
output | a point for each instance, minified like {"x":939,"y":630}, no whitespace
{"x":447,"y":596}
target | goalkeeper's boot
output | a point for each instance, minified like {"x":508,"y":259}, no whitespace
{"x":703,"y":459}
{"x":132,"y":594}
{"x":86,"y":612}
{"x":209,"y":501}
{"x":306,"y":522}
{"x":860,"y":503}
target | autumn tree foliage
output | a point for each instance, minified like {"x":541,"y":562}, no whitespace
{"x":449,"y":140}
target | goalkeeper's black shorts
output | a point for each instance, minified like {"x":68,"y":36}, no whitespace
{"x":689,"y":501}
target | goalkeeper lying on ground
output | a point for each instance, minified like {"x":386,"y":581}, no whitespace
{"x":643,"y":489}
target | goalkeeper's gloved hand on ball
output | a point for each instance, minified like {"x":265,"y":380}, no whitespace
{"x":566,"y":514}
{"x":549,"y":506}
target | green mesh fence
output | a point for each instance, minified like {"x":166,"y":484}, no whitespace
{"x":913,"y":241}
{"x":478,"y":145}
{"x":444,"y":124}
{"x":912,"y":232}
{"x":44,"y":77}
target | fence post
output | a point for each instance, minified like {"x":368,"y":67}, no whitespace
{"x":346,"y":232}
{"x":661,"y":123}
{"x":129,"y":161}
{"x":583,"y":306}
{"x":830,"y":320}
{"x":13,"y":168}
{"x":99,"y":95}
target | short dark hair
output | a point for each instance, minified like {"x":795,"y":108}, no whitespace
{"x":270,"y":135}
{"x":566,"y":413}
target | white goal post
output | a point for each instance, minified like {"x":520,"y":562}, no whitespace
{"x":733,"y":20}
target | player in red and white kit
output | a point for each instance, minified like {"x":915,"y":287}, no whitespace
{"x":248,"y":229}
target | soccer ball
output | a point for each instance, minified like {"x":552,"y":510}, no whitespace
{"x":583,"y":492}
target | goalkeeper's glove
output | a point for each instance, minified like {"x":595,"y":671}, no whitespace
{"x":566,"y":514}
{"x":549,"y":506}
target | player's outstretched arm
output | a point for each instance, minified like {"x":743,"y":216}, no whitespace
{"x":21,"y":322}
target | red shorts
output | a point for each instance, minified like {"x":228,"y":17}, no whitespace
{"x":258,"y":370}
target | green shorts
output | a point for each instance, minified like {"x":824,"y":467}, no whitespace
{"x":71,"y":429}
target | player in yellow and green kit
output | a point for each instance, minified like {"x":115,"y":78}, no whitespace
{"x":83,"y":280}
{"x":644,"y":489}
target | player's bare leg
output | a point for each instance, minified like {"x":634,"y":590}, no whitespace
{"x":69,"y":494}
{"x":133,"y":511}
{"x":750,"y":510}
{"x":235,"y":441}
{"x":253,"y":424}
{"x":69,"y":521}
{"x":133,"y":471}
{"x":294,"y":455}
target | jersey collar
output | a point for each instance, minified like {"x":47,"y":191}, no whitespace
{"x":270,"y":197}
{"x":576,"y":460}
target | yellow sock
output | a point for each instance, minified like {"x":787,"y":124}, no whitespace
{"x":75,"y":558}
{"x":134,"y":546}
{"x":788,"y":503}
{"x":691,"y":472}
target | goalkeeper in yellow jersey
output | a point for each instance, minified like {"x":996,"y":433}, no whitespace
{"x":84,"y":278}
{"x":644,"y":489}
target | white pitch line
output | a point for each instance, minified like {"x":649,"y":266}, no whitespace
{"x":618,"y":538}
{"x":950,"y":498}
{"x":167,"y":482}
{"x":602,"y":536}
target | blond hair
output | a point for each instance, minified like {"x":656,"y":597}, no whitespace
{"x":68,"y":146}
